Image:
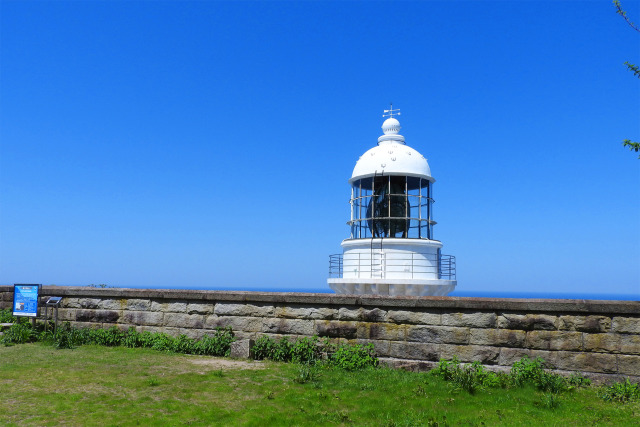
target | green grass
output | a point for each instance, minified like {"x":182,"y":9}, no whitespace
{"x":93,"y":385}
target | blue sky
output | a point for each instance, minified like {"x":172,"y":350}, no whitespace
{"x":209,"y":144}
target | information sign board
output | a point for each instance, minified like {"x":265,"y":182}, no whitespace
{"x":25,"y":300}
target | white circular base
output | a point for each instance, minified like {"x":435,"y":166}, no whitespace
{"x":392,"y":287}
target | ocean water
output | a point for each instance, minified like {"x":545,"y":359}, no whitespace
{"x":460,"y":293}
{"x":456,"y":293}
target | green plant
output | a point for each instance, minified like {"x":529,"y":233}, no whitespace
{"x":578,"y":380}
{"x":7,"y":317}
{"x":263,"y":348}
{"x":550,"y":382}
{"x":550,"y":400}
{"x":306,"y":373}
{"x":306,"y":350}
{"x":162,"y":342}
{"x":19,"y":333}
{"x":108,"y":337}
{"x":621,"y":392}
{"x":470,"y":377}
{"x":183,"y":344}
{"x":527,"y":370}
{"x":352,"y":357}
{"x":69,"y":337}
{"x":282,"y":350}
{"x":217,"y":345}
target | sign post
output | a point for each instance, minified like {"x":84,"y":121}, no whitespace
{"x":25,"y":300}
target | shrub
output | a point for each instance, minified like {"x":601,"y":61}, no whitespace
{"x":183,"y":344}
{"x":217,"y":345}
{"x":282,"y":350}
{"x":470,"y":377}
{"x":352,"y":357}
{"x":7,"y":317}
{"x":108,"y":337}
{"x":306,"y":350}
{"x":526,"y":370}
{"x":621,"y":392}
{"x":578,"y":380}
{"x":19,"y":333}
{"x":263,"y":348}
{"x":162,"y":342}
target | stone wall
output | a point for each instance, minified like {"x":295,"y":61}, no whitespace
{"x":600,"y":337}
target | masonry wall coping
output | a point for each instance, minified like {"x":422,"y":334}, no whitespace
{"x":380,"y":301}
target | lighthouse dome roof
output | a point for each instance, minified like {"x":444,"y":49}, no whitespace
{"x":391,"y":157}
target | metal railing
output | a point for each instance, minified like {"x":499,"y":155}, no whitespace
{"x":413,"y":264}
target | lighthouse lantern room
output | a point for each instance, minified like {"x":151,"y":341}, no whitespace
{"x":391,"y":249}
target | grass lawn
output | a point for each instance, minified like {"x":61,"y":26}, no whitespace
{"x":104,"y":386}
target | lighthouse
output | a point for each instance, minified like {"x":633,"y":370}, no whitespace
{"x":391,"y":249}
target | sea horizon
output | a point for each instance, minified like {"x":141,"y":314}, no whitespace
{"x":456,"y":293}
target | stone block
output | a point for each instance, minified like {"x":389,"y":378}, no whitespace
{"x":179,"y":320}
{"x":626,"y":325}
{"x":554,"y":340}
{"x":64,"y":315}
{"x":87,"y":325}
{"x":508,"y":356}
{"x":70,"y":302}
{"x":414,"y":317}
{"x":593,"y":324}
{"x":629,"y":344}
{"x":227,"y":309}
{"x":242,"y":349}
{"x":146,"y":318}
{"x":381,"y":331}
{"x":349,"y":314}
{"x":601,"y":343}
{"x":380,"y":348}
{"x":176,"y":307}
{"x":438,"y":334}
{"x":497,"y":337}
{"x":113,"y":304}
{"x":527,"y":322}
{"x":153,"y":329}
{"x":474,"y":320}
{"x":415,"y":351}
{"x":89,"y":303}
{"x":578,"y":361}
{"x":288,"y":326}
{"x":97,"y":316}
{"x":470,"y":353}
{"x":245,"y":324}
{"x":302,"y":312}
{"x":374,"y":315}
{"x":158,"y":306}
{"x":336,"y":329}
{"x":629,"y":365}
{"x":199,"y":308}
{"x":138,"y":304}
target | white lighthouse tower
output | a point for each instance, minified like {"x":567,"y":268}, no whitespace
{"x":391,"y":249}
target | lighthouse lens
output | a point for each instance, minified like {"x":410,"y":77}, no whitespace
{"x":391,"y":206}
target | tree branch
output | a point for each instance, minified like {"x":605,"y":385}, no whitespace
{"x":622,"y":13}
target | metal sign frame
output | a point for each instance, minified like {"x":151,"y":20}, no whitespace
{"x":25,"y":300}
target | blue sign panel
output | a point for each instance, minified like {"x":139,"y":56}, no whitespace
{"x":25,"y":300}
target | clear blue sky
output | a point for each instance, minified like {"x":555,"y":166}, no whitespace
{"x":209,"y":144}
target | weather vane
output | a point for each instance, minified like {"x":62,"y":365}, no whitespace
{"x":391,"y":112}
